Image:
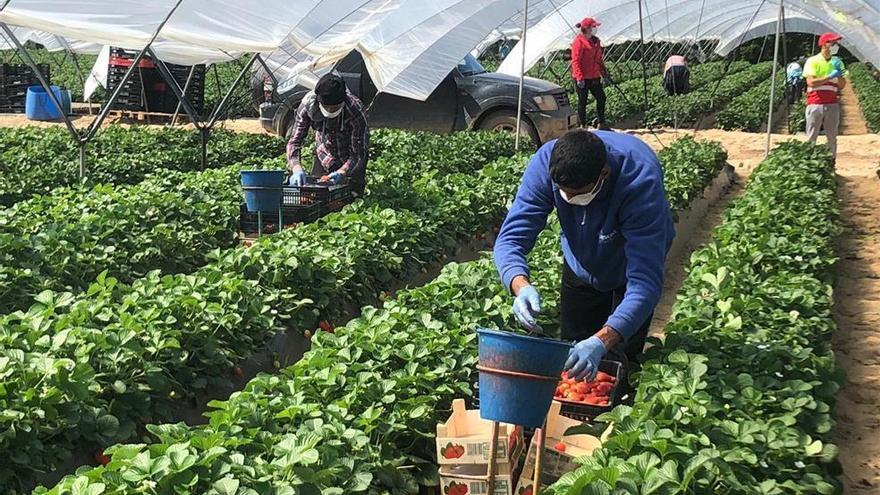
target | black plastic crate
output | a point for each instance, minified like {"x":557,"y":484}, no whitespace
{"x":586,"y":412}
{"x":331,"y":198}
{"x":290,"y":216}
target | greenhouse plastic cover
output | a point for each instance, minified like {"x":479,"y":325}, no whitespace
{"x":729,"y":22}
{"x":410,"y":46}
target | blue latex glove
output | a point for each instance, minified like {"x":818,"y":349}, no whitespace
{"x":584,"y":357}
{"x":581,"y":84}
{"x":835,"y":74}
{"x":298,"y":178}
{"x":837,"y":63}
{"x":526,"y":307}
{"x":334,"y":178}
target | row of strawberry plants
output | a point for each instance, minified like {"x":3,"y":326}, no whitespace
{"x":687,"y":109}
{"x":867,"y":87}
{"x":620,"y":107}
{"x":748,"y":111}
{"x":737,"y":399}
{"x":358,"y":412}
{"x":172,"y":220}
{"x":38,"y":160}
{"x":88,"y":368}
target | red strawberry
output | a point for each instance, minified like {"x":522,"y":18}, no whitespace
{"x":102,"y":458}
{"x":326,"y":326}
{"x":560,"y":446}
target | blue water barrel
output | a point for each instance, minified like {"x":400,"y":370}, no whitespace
{"x":39,"y":106}
{"x":262,"y":189}
{"x":518,"y":376}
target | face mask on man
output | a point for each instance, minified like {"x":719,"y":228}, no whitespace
{"x":589,"y":32}
{"x":834,"y":48}
{"x":582,"y":199}
{"x":328,"y":114}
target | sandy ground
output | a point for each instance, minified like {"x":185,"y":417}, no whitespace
{"x":857,"y":312}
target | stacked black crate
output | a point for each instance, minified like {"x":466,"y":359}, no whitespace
{"x":14,"y":82}
{"x":131,"y":96}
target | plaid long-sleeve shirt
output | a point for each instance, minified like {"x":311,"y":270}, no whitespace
{"x":340,"y":143}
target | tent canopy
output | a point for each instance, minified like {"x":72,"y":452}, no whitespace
{"x":409,"y":46}
{"x":729,"y":22}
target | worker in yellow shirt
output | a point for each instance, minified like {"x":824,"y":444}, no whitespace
{"x":826,"y":76}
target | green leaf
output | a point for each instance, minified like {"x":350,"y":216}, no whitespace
{"x":226,"y":486}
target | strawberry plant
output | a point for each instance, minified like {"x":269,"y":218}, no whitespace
{"x":687,"y":109}
{"x":867,"y":87}
{"x":163,"y":337}
{"x":358,"y":412}
{"x":38,"y":160}
{"x":172,"y":220}
{"x":620,"y":108}
{"x":748,"y":111}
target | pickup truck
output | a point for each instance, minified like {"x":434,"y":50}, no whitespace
{"x":468,"y":98}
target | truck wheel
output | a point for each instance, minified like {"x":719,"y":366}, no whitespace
{"x":505,"y":120}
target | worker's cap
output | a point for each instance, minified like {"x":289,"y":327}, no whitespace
{"x":588,"y":22}
{"x":330,"y":89}
{"x":826,"y":38}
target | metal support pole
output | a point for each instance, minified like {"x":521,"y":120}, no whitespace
{"x":192,"y":71}
{"x":40,"y":77}
{"x":176,"y":89}
{"x":493,"y":453}
{"x":216,"y":114}
{"x":82,"y":158}
{"x":204,"y":134}
{"x":642,"y":55}
{"x":773,"y":76}
{"x":522,"y":75}
{"x":96,"y":124}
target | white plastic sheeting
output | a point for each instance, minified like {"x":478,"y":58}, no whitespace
{"x":409,"y":46}
{"x":415,"y":48}
{"x":681,"y":20}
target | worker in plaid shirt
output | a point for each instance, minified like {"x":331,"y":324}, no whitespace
{"x":341,"y":135}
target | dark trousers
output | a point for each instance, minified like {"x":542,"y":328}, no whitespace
{"x":358,"y":181}
{"x":677,"y":80}
{"x":584,"y":311}
{"x":593,"y":86}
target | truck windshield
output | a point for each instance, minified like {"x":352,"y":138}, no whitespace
{"x":470,"y":66}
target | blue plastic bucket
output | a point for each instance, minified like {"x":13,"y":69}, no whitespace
{"x":39,"y":106}
{"x":518,"y":376}
{"x":262,"y":189}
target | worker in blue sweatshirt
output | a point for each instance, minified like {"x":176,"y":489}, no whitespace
{"x":617,"y":227}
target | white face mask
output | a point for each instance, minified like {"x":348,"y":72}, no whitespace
{"x":835,"y":48}
{"x":582,"y":199}
{"x":328,"y":114}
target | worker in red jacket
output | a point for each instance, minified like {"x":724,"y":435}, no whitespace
{"x":588,"y":70}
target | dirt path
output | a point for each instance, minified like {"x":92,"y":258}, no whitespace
{"x":857,"y":313}
{"x":851,"y":120}
{"x":744,"y":155}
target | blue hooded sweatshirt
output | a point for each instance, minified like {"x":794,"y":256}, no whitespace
{"x":620,"y":239}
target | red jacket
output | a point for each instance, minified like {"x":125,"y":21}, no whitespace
{"x":587,"y":60}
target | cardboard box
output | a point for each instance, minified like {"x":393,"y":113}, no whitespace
{"x":464,"y":439}
{"x":556,"y":463}
{"x":470,"y":479}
